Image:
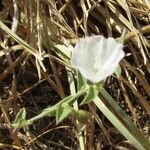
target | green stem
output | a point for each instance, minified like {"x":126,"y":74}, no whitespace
{"x":75,"y":105}
{"x":51,"y":111}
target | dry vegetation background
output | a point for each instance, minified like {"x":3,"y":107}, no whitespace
{"x":25,"y":83}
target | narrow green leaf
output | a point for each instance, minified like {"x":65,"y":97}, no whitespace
{"x":66,"y":51}
{"x":120,"y":120}
{"x":62,"y":112}
{"x":91,"y":94}
{"x":81,"y":81}
{"x":21,"y":116}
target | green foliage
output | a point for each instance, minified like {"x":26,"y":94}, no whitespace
{"x":21,"y":116}
{"x":63,"y":50}
{"x":118,"y":71}
{"x":120,"y":120}
{"x":80,"y":80}
{"x":91,"y":94}
{"x":62,"y":112}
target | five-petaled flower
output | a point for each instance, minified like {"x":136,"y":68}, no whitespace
{"x":97,"y":57}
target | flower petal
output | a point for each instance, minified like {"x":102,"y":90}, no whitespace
{"x":84,"y":53}
{"x":112,"y":62}
{"x":110,"y":46}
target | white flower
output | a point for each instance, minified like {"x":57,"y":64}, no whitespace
{"x":97,"y":57}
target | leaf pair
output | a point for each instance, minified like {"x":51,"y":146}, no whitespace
{"x":64,"y":111}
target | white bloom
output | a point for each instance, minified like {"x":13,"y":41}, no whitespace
{"x":97,"y":57}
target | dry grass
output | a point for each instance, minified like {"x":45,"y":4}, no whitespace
{"x":27,"y":82}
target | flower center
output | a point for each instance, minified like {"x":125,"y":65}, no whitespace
{"x":95,"y":68}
